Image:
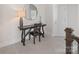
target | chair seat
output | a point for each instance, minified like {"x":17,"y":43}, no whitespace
{"x":35,"y":33}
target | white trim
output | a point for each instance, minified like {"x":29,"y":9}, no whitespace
{"x":7,"y":42}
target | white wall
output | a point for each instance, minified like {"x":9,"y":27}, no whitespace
{"x":49,"y":19}
{"x":58,"y":17}
{"x":9,"y":32}
{"x":67,"y":16}
{"x":45,"y":11}
{"x":54,"y":17}
{"x":41,"y":11}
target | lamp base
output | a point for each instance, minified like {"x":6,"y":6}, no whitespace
{"x":21,"y":22}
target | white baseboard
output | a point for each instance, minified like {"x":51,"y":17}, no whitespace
{"x":6,"y":43}
{"x":58,"y":35}
{"x":9,"y":42}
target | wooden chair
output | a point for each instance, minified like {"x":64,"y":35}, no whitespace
{"x":36,"y":32}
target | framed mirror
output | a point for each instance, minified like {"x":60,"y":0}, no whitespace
{"x":33,"y":11}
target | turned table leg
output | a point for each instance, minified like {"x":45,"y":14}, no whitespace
{"x":23,"y":37}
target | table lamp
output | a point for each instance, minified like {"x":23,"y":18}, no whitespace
{"x":20,"y":15}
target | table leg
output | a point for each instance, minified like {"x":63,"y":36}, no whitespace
{"x":34,"y":39}
{"x":43,"y":31}
{"x":39,"y":34}
{"x":29,"y":36}
{"x":22,"y":37}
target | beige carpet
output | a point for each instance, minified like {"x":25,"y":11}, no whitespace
{"x":48,"y":45}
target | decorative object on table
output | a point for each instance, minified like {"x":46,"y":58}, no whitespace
{"x":21,"y":22}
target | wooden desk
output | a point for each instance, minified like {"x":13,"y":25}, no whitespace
{"x":29,"y":27}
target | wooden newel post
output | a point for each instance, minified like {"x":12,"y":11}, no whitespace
{"x":69,"y":40}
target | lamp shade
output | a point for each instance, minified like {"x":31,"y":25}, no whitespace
{"x":20,"y":12}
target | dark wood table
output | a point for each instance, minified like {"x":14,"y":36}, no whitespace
{"x":29,"y":27}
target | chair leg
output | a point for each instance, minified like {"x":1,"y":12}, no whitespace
{"x":23,"y":43}
{"x":39,"y":38}
{"x":43,"y":32}
{"x":29,"y":36}
{"x":34,"y":39}
{"x":24,"y":38}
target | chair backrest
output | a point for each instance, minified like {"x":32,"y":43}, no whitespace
{"x":37,"y":27}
